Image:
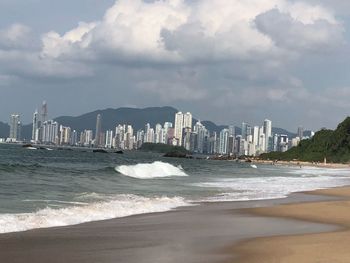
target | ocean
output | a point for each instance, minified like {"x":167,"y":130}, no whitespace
{"x":41,"y":189}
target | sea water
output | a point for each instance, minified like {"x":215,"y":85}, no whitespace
{"x":40,"y":188}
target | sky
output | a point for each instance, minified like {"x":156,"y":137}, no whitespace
{"x":225,"y":61}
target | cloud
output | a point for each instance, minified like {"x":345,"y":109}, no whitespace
{"x":17,"y":36}
{"x":179,"y":31}
{"x":227,"y":59}
{"x":288,"y":33}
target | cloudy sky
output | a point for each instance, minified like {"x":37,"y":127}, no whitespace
{"x":226,"y":61}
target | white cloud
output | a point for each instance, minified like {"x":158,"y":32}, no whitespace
{"x":178,"y":31}
{"x":17,"y":36}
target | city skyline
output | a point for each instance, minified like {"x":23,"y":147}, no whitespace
{"x":43,"y":115}
{"x":274,"y":57}
{"x":179,"y":130}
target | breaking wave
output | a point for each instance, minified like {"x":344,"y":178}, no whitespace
{"x":150,"y":170}
{"x":120,"y":206}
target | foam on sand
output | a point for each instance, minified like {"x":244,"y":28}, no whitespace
{"x":120,"y":206}
{"x":150,"y":170}
{"x":244,"y":189}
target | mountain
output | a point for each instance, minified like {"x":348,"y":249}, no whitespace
{"x":334,"y":145}
{"x":4,"y":130}
{"x":135,"y":117}
{"x":284,"y":132}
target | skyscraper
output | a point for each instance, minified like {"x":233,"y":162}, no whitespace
{"x":223,"y":139}
{"x":187,"y":120}
{"x":179,"y":125}
{"x":15,"y":127}
{"x":244,"y":130}
{"x":98,"y":134}
{"x":35,"y":128}
{"x":268,"y":134}
{"x":44,"y":112}
{"x":300,"y":132}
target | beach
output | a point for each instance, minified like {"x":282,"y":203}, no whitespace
{"x":72,"y":206}
{"x":199,"y":233}
{"x":322,"y":247}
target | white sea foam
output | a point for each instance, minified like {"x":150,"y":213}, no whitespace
{"x":244,"y":189}
{"x":120,"y":206}
{"x":150,"y":170}
{"x":318,"y":171}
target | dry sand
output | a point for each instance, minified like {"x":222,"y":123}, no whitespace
{"x":331,"y":247}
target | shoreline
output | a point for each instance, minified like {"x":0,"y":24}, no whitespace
{"x":187,"y":234}
{"x":303,"y":164}
{"x":328,"y":246}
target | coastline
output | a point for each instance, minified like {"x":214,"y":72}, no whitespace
{"x":187,"y":234}
{"x":329,"y":246}
{"x":303,"y":164}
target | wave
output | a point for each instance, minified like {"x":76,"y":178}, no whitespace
{"x":10,"y":167}
{"x":318,"y":171}
{"x":120,"y":206}
{"x":150,"y":170}
{"x":245,"y":189}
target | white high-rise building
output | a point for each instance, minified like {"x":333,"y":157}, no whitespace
{"x":158,"y":135}
{"x":65,"y":135}
{"x":268,"y":134}
{"x":88,"y":137}
{"x":35,"y":128}
{"x":50,"y":132}
{"x":179,"y":125}
{"x":109,"y":139}
{"x":256,"y":136}
{"x":187,"y":120}
{"x":223,"y":141}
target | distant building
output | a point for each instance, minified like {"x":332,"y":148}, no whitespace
{"x":223,"y":141}
{"x":268,"y":134}
{"x":179,"y":125}
{"x":35,"y":128}
{"x":98,"y":131}
{"x":300,"y":132}
{"x":15,"y":128}
{"x":50,"y":132}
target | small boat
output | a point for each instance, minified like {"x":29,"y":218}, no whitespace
{"x":254,"y":166}
{"x":31,"y":148}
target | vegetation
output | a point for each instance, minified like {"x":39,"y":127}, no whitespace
{"x":162,"y":148}
{"x":334,"y":145}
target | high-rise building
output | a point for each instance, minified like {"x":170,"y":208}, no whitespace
{"x":35,"y":128}
{"x":65,"y":135}
{"x":201,"y":133}
{"x":50,"y":132}
{"x":179,"y":125}
{"x":98,"y":134}
{"x":187,"y":120}
{"x":256,"y":136}
{"x":15,"y":127}
{"x":87,"y":137}
{"x":300,"y":132}
{"x":109,"y":139}
{"x":268,"y":134}
{"x":244,"y":130}
{"x":223,"y":139}
{"x":44,"y":112}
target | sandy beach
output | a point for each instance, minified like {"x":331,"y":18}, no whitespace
{"x":190,"y":234}
{"x":311,"y":248}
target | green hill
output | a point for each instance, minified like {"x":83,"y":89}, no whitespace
{"x":334,"y":145}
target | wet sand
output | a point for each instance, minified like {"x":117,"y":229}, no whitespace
{"x":190,"y":234}
{"x":311,"y":248}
